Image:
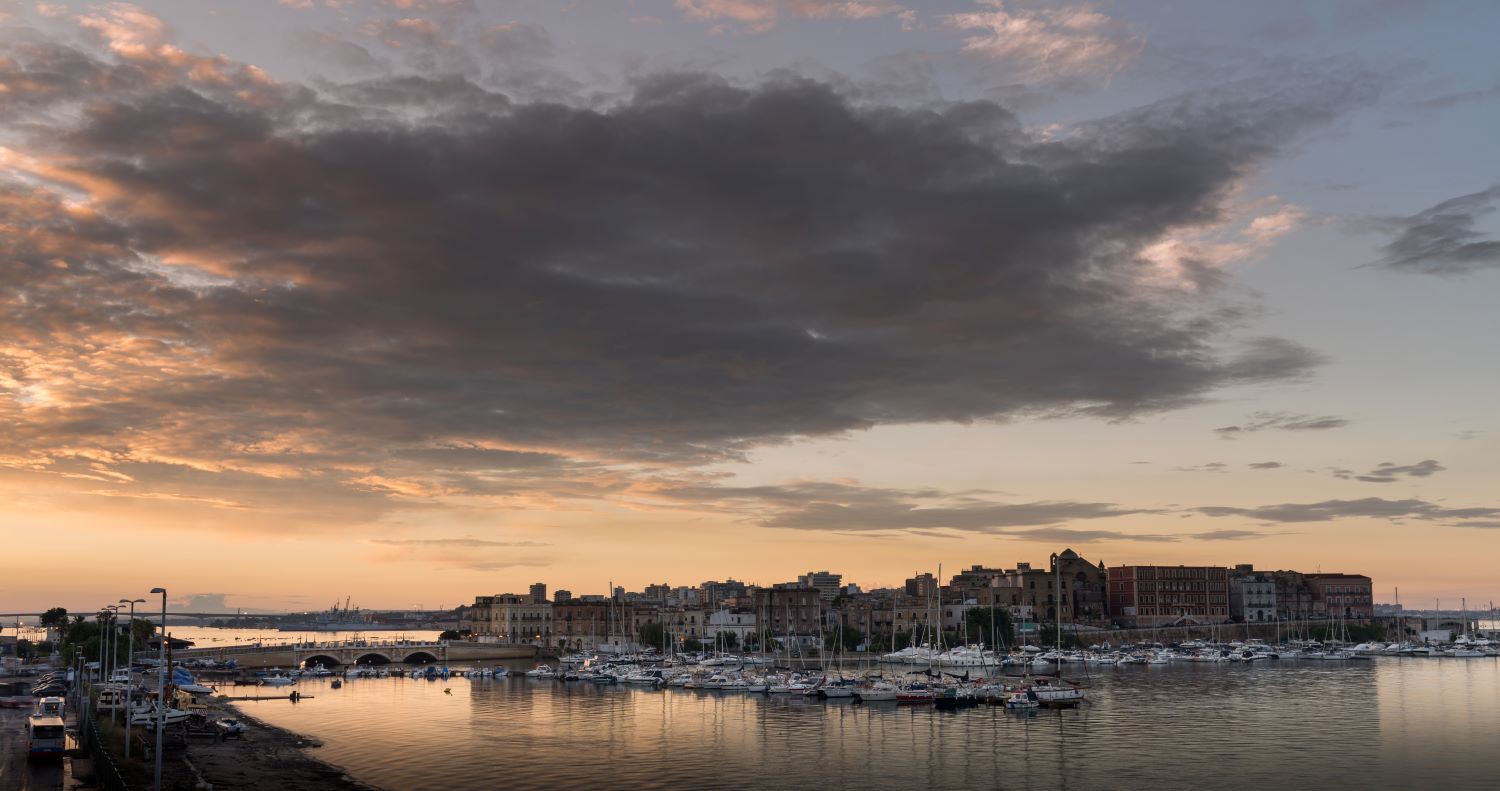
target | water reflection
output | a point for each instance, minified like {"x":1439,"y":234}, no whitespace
{"x":1384,"y":724}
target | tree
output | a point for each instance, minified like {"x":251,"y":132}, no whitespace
{"x":25,"y":649}
{"x":692,"y":644}
{"x":650,"y":634}
{"x":729,"y":640}
{"x":1048,"y":637}
{"x":55,"y":618}
{"x":847,"y":638}
{"x":983,"y":622}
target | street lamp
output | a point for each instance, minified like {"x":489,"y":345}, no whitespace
{"x":114,"y":648}
{"x":161,"y":685}
{"x":129,"y":660}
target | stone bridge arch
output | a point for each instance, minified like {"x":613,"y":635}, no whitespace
{"x":371,"y":658}
{"x":420,"y":658}
{"x":329,"y":661}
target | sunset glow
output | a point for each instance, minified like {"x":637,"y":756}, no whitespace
{"x":415,"y":301}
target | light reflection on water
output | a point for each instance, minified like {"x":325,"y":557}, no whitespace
{"x":1384,"y":724}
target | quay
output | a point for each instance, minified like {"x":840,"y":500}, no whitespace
{"x":355,"y":652}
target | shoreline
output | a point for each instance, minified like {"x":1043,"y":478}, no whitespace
{"x":265,"y":758}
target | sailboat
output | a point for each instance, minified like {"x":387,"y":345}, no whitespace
{"x":1056,"y":690}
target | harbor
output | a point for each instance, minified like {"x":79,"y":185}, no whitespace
{"x":1383,"y":723}
{"x":1379,"y":717}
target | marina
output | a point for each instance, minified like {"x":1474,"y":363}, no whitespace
{"x":1385,"y":723}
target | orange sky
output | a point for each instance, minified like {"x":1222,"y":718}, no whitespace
{"x":419,"y":308}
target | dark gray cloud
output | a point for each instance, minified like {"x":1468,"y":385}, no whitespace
{"x":1067,"y":535}
{"x":1389,"y":472}
{"x":1366,"y":508}
{"x":850,"y":507}
{"x":1284,"y":421}
{"x":1213,"y":466}
{"x":1231,"y":535}
{"x":1266,"y":465}
{"x":344,"y":284}
{"x":1452,"y":99}
{"x":1442,"y":240}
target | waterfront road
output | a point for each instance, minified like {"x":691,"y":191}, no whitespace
{"x":16,"y":772}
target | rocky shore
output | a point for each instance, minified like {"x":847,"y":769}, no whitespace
{"x":265,"y":758}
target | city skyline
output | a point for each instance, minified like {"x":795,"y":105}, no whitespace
{"x":413,"y":300}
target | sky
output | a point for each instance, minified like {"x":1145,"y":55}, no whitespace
{"x":409,"y":301}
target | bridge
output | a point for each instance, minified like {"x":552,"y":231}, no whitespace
{"x":357,"y":652}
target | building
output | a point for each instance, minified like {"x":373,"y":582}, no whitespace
{"x":1070,"y":589}
{"x":976,"y":577}
{"x":561,"y":596}
{"x":922,"y":586}
{"x":538,"y":591}
{"x":712,"y":593}
{"x":1169,"y":595}
{"x":1294,"y":597}
{"x":1342,"y":595}
{"x":740,"y":623}
{"x":579,"y":625}
{"x":512,"y":618}
{"x":791,"y":613}
{"x":826,"y":583}
{"x":1252,"y":595}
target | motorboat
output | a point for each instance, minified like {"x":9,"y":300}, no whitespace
{"x":1056,"y":690}
{"x":1021,"y":698}
{"x":148,"y":715}
{"x":277,"y":681}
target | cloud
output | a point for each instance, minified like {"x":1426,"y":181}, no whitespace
{"x":1459,"y":98}
{"x":1266,"y":465}
{"x":1066,"y":535}
{"x":1213,"y":466}
{"x":468,"y":554}
{"x":1442,"y":240}
{"x":1064,"y":43}
{"x":850,"y":507}
{"x":1283,"y":421}
{"x":1366,"y":508}
{"x":1389,"y":472}
{"x":1231,"y":535}
{"x":760,"y":16}
{"x":470,"y":543}
{"x":1070,"y":535}
{"x":410,"y":289}
{"x":1194,"y":255}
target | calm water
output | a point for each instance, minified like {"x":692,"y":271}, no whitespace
{"x":1384,"y":724}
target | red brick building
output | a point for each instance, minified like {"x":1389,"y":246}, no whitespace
{"x":1342,"y":595}
{"x":1157,"y":595}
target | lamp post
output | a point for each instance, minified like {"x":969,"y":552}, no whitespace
{"x":112,"y":620}
{"x":161,"y":685}
{"x":104,"y":645}
{"x":129,"y":661}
